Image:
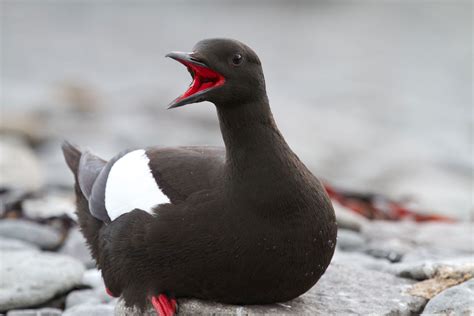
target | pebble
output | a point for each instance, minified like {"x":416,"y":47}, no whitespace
{"x":92,"y":278}
{"x":423,"y":270}
{"x":347,"y":219}
{"x":343,"y":290}
{"x":19,"y":165}
{"x":349,"y":240}
{"x":82,"y":296}
{"x":35,"y":312}
{"x":43,"y":236}
{"x":9,"y":244}
{"x":90,"y":310}
{"x":75,"y":246}
{"x":457,"y":300}
{"x":454,"y":236}
{"x":29,"y":278}
{"x":53,"y":204}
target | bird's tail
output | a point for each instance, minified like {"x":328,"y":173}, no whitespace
{"x":72,"y":155}
{"x":90,"y":226}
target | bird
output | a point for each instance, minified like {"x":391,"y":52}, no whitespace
{"x":247,"y":223}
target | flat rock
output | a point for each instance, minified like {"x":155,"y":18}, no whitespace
{"x":392,"y":249}
{"x":81,"y":297}
{"x":347,"y":219}
{"x":53,"y":204}
{"x":90,"y":310}
{"x":454,"y":236}
{"x":93,"y":279}
{"x":361,"y":260}
{"x":343,"y":290}
{"x":30,"y":278}
{"x":429,"y":269}
{"x":75,"y":246}
{"x":457,"y":300}
{"x":10,"y":244}
{"x":88,"y":296}
{"x":349,"y":240}
{"x":43,"y":236}
{"x":19,"y":165}
{"x":36,"y":312}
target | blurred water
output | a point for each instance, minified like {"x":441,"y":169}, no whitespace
{"x":371,"y":95}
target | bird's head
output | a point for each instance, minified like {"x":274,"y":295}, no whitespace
{"x":225,"y":72}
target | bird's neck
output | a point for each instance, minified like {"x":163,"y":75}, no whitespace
{"x":254,"y":144}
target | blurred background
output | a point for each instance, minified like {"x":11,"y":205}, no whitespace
{"x":374,"y":96}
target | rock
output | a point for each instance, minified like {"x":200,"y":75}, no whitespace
{"x":349,"y":240}
{"x":457,"y":300}
{"x":75,"y":246}
{"x":81,"y":297}
{"x":36,"y":312}
{"x":90,"y":310}
{"x":347,"y":219}
{"x":392,"y":249}
{"x":89,"y":296}
{"x":9,"y":244}
{"x":429,"y":269}
{"x":444,"y":278}
{"x":454,"y":236}
{"x":30,"y":278}
{"x":19,"y":166}
{"x":344,"y":289}
{"x":43,"y":236}
{"x":93,"y":279}
{"x":360,"y":260}
{"x":51,"y":205}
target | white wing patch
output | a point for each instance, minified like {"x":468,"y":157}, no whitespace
{"x":131,"y":185}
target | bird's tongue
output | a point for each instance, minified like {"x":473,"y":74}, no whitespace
{"x":203,"y":79}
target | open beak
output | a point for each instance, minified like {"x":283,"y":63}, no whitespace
{"x":204,"y":79}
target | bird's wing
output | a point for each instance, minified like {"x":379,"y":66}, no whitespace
{"x":181,"y":171}
{"x":145,"y":178}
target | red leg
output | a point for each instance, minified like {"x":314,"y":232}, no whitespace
{"x":163,"y":305}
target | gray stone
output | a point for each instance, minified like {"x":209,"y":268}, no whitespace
{"x":93,"y":278}
{"x":392,"y":249}
{"x":75,"y":246}
{"x":360,"y":260}
{"x":430,"y":269}
{"x":53,"y":204}
{"x":431,"y":253}
{"x":30,"y":278}
{"x":454,"y":236}
{"x":457,"y":300}
{"x":343,"y":290}
{"x":19,"y":166}
{"x":43,"y":236}
{"x":89,"y":296}
{"x":36,"y":312}
{"x":90,"y":310}
{"x":349,"y":240}
{"x":9,"y":244}
{"x":347,"y":218}
{"x":82,"y":296}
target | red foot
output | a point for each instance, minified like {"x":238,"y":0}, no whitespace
{"x":110,"y":292}
{"x":163,"y":305}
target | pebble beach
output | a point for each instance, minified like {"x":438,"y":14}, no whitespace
{"x":365,"y":94}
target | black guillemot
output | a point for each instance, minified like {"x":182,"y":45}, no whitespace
{"x":244,"y":224}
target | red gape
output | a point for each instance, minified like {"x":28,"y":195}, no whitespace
{"x":203,"y":79}
{"x":163,"y":305}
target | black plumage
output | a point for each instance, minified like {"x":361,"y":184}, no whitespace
{"x":248,"y":224}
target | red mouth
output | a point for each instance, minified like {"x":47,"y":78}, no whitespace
{"x":204,"y":79}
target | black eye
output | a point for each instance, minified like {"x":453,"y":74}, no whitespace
{"x":237,"y":59}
